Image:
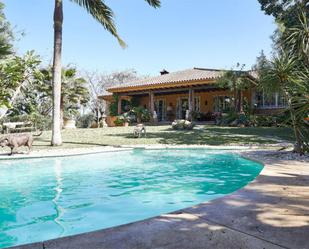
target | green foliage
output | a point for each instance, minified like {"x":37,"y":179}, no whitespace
{"x":6,"y":36}
{"x":74,"y":90}
{"x":196,"y":115}
{"x":40,"y":122}
{"x":105,"y":16}
{"x":113,"y":107}
{"x":135,"y":101}
{"x":235,"y":119}
{"x":236,"y":81}
{"x":297,"y":39}
{"x":17,"y":79}
{"x":119,"y":121}
{"x":288,"y":71}
{"x":85,"y":121}
{"x":288,"y":74}
{"x":262,"y":121}
{"x":141,"y":114}
{"x":127,"y":117}
{"x":284,"y":11}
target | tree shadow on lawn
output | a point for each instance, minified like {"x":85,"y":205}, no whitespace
{"x":282,"y":133}
{"x":170,"y":136}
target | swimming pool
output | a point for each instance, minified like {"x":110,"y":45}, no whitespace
{"x":41,"y":199}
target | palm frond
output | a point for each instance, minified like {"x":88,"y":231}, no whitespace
{"x":297,"y":39}
{"x":103,"y":14}
{"x":154,"y":3}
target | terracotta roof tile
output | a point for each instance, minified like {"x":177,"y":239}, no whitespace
{"x":195,"y":74}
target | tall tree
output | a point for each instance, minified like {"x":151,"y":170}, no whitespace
{"x":286,"y":14}
{"x":98,"y":83}
{"x":283,"y":74}
{"x":289,"y":70}
{"x":74,"y":90}
{"x":284,"y":11}
{"x":16,"y":75}
{"x":105,"y":16}
{"x":6,"y":35}
{"x":237,"y":80}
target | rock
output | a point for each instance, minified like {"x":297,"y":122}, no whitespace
{"x":182,"y":125}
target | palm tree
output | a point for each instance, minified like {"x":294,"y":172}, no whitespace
{"x":282,"y":74}
{"x":236,"y":81}
{"x":74,"y":90}
{"x":105,"y":16}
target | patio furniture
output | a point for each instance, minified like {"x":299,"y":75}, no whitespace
{"x":16,"y":127}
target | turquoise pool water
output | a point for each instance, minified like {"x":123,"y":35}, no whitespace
{"x":41,"y":199}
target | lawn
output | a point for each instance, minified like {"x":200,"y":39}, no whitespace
{"x":205,"y":135}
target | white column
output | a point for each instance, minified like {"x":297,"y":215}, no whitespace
{"x":191,"y":102}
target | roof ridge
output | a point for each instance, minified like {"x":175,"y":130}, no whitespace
{"x":208,"y":69}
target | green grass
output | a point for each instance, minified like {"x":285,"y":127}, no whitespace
{"x":205,"y":135}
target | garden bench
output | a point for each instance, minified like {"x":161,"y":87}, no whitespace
{"x":15,"y":127}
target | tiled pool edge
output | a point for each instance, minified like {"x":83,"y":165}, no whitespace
{"x":64,"y":153}
{"x":217,"y":231}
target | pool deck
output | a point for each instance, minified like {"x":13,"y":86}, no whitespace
{"x":270,"y":212}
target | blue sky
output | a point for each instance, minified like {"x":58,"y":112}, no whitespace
{"x":181,"y":34}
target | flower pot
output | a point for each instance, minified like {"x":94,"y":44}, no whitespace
{"x":110,"y":120}
{"x":126,"y":124}
{"x":69,"y":124}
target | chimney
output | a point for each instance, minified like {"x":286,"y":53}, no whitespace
{"x":164,"y":72}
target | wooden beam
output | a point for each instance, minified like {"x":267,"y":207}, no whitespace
{"x":151,"y":106}
{"x":190,"y":100}
{"x":119,"y":105}
{"x":175,"y":90}
{"x":161,"y":85}
{"x":151,"y":102}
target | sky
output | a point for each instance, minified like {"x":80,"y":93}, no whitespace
{"x":181,"y":34}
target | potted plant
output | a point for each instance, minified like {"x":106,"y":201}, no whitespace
{"x":126,"y":117}
{"x":119,"y":121}
{"x":141,"y":114}
{"x":69,"y":116}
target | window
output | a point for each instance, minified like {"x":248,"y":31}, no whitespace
{"x":197,"y":104}
{"x":222,"y":103}
{"x":282,"y":100}
{"x":274,"y":100}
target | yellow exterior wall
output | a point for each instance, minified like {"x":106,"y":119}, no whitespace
{"x":204,"y":96}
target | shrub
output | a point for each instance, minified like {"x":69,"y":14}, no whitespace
{"x":196,"y":115}
{"x":85,"y":121}
{"x":119,"y":121}
{"x":141,"y":114}
{"x":127,"y":117}
{"x":113,"y":108}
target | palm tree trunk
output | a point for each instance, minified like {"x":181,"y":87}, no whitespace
{"x":61,"y":113}
{"x":58,"y":20}
{"x":235,"y":96}
{"x":298,"y":148}
{"x":298,"y":145}
{"x":241,"y":102}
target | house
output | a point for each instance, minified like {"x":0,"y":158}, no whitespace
{"x":194,"y":91}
